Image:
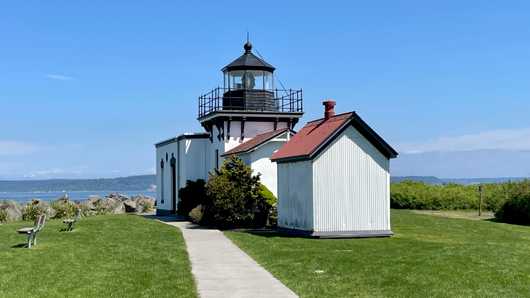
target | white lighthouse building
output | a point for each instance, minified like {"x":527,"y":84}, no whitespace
{"x":247,"y":117}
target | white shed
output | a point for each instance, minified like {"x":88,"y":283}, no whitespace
{"x":334,"y":179}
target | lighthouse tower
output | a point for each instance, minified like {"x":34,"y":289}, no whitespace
{"x":247,"y":105}
{"x":247,"y":117}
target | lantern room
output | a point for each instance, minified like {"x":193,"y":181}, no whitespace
{"x":249,"y":83}
{"x":248,"y":72}
{"x":249,"y":90}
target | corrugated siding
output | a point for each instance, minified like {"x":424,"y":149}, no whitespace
{"x":351,"y":186}
{"x":295,"y":203}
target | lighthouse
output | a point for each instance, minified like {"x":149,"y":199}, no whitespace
{"x":248,"y":117}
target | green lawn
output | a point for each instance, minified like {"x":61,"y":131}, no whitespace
{"x":428,"y":256}
{"x":105,"y":256}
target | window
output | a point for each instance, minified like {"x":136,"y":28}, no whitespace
{"x":162,"y":181}
{"x":217,"y":159}
{"x":267,"y":81}
{"x":236,"y":79}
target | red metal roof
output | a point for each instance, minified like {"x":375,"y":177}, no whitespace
{"x":310,"y":137}
{"x":316,"y":133}
{"x":255,"y":142}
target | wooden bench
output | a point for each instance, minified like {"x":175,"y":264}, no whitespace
{"x":32,"y":232}
{"x":71,"y":221}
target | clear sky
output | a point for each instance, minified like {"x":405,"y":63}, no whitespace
{"x":87,"y":87}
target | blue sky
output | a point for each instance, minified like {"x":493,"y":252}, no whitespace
{"x":87,"y":88}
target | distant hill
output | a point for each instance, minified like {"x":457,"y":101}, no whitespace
{"x":147,"y":182}
{"x":132,"y":183}
{"x":465,"y":181}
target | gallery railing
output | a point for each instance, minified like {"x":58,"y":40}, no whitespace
{"x":252,"y":100}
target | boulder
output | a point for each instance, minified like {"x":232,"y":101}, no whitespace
{"x":112,"y":206}
{"x":118,"y":196}
{"x":130,"y":205}
{"x":12,"y":209}
{"x":88,"y":206}
{"x":144,"y":203}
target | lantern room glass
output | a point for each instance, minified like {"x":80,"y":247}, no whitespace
{"x":248,"y":80}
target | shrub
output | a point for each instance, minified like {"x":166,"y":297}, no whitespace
{"x":233,"y":197}
{"x":3,"y":215}
{"x":64,"y":208}
{"x":418,"y":195}
{"x":192,"y":195}
{"x":34,"y":209}
{"x":515,"y":210}
{"x":196,"y":214}
{"x":267,"y":195}
{"x":271,"y":208}
{"x":273,"y":216}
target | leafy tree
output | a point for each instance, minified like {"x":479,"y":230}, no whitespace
{"x":233,"y":197}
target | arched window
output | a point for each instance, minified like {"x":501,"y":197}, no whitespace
{"x":162,"y":181}
{"x":173,"y":163}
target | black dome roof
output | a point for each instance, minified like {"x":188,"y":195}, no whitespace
{"x":248,"y":61}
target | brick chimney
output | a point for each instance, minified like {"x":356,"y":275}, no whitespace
{"x":329,"y":110}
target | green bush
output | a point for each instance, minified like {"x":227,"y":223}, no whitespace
{"x":515,"y":210}
{"x":190,"y":196}
{"x":34,"y":209}
{"x":64,"y":208}
{"x":3,"y":215}
{"x":267,"y":195}
{"x":419,"y":195}
{"x":233,"y":197}
{"x":272,"y":208}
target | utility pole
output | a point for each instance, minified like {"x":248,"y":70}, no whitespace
{"x":480,"y":191}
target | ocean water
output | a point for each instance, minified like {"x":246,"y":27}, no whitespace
{"x":73,"y":195}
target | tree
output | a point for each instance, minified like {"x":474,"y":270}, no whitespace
{"x":233,"y":197}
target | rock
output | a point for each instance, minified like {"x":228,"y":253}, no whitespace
{"x":130,"y":205}
{"x":88,"y":207}
{"x":118,"y":196}
{"x":144,"y":203}
{"x":196,"y":214}
{"x":12,"y":209}
{"x":112,"y":206}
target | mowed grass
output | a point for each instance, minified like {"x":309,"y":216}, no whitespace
{"x":429,"y":256}
{"x":105,"y":256}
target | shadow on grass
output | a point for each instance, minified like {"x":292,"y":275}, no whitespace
{"x":166,"y":218}
{"x":21,"y":245}
{"x":497,"y":220}
{"x":271,"y":233}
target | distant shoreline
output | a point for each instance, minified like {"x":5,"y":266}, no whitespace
{"x":131,"y":183}
{"x":22,"y":197}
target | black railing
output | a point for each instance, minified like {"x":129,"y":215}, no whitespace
{"x":254,"y":100}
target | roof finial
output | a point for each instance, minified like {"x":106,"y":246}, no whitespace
{"x":248,"y":45}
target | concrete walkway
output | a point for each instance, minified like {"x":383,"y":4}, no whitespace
{"x":221,"y":269}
